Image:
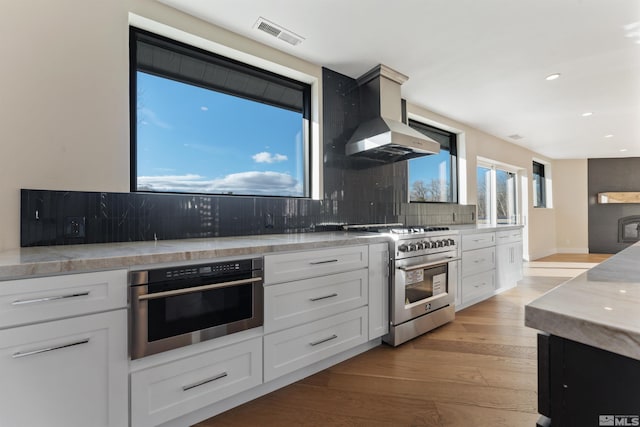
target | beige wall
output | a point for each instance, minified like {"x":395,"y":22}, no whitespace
{"x":540,"y":224}
{"x":64,"y":113}
{"x":570,"y":200}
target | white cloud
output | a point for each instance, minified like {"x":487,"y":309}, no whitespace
{"x":204,"y":108}
{"x":146,"y":116}
{"x":266,"y":157}
{"x":251,"y":182}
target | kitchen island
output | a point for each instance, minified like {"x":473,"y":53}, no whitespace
{"x":589,"y":353}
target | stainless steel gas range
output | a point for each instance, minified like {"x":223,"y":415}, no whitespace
{"x":424,"y":280}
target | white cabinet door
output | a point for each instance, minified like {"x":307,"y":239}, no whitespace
{"x":168,"y":391}
{"x":508,"y":265}
{"x":293,"y":303}
{"x":378,"y":290}
{"x":66,"y":373}
{"x":292,"y":349}
{"x":285,"y":267}
{"x":39,"y":299}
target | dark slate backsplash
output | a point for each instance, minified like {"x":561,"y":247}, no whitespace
{"x":355,"y":192}
{"x":621,"y":174}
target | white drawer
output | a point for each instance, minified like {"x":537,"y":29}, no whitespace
{"x":168,"y":391}
{"x":289,"y":350}
{"x":45,"y":298}
{"x":286,"y":267}
{"x":478,"y":285}
{"x":478,"y":240}
{"x":478,"y":261}
{"x":508,"y":236}
{"x":293,"y":303}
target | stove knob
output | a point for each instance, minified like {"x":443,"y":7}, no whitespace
{"x":452,"y":242}
{"x":403,"y":248}
{"x":445,"y":242}
{"x":439,"y":243}
{"x":411,"y":247}
{"x":428,"y":245}
{"x":421,"y":245}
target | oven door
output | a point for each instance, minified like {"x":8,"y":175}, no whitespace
{"x":165,"y":316}
{"x":422,"y":285}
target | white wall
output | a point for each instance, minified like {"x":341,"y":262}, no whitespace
{"x":541,"y":223}
{"x":64,"y":110}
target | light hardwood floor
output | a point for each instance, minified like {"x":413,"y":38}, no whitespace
{"x":479,"y":370}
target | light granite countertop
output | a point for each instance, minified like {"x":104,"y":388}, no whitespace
{"x":50,"y":260}
{"x":600,"y":308}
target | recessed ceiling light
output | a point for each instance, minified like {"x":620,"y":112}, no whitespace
{"x":587,"y":114}
{"x":608,"y":136}
{"x":552,"y":76}
{"x":622,"y":150}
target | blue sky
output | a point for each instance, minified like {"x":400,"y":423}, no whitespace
{"x":191,"y":140}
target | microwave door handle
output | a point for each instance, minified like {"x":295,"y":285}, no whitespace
{"x":177,"y":292}
{"x":427,"y":264}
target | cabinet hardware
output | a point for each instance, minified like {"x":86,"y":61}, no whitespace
{"x":332,"y":337}
{"x":203,"y":382}
{"x":45,"y":350}
{"x":324,"y":297}
{"x":323,"y":262}
{"x":479,"y":260}
{"x":197,"y":289}
{"x":480,"y":285}
{"x":53,"y":298}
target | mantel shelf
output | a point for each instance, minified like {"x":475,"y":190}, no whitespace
{"x":619,"y":197}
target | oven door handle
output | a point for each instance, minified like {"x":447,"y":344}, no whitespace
{"x":428,"y":264}
{"x":177,"y":292}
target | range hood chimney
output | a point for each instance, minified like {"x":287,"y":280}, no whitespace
{"x":381,"y":135}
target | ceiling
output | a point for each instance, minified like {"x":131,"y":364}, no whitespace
{"x":482,"y":63}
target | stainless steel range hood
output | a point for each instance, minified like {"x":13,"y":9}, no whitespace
{"x":382,"y":136}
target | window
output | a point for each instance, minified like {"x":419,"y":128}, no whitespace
{"x":539,"y":190}
{"x":433,"y":178}
{"x":497,"y":195}
{"x":202,"y":123}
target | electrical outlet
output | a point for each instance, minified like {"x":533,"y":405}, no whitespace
{"x":74,"y":226}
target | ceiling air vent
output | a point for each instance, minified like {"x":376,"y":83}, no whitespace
{"x":515,"y":136}
{"x":278,"y":31}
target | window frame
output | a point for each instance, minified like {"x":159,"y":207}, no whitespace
{"x":493,"y":167}
{"x":309,"y":186}
{"x":451,"y":141}
{"x":542,"y":187}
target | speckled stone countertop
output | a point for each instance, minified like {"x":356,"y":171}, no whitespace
{"x":600,"y":308}
{"x":50,"y":260}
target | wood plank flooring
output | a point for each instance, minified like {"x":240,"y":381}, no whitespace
{"x":479,"y":370}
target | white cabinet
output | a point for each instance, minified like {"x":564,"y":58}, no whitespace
{"x":378,"y":290}
{"x":164,"y":392}
{"x":292,"y":303}
{"x":64,"y":372}
{"x":478,"y":267}
{"x":316,"y":306}
{"x":292,"y":349}
{"x":509,"y":258}
{"x":285,"y":267}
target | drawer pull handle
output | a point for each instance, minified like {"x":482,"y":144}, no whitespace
{"x":45,"y":350}
{"x":479,"y":260}
{"x":324,"y":297}
{"x":203,"y":382}
{"x":45,"y":299}
{"x":323,"y":262}
{"x":503,"y":237}
{"x":332,"y":337}
{"x":480,"y":285}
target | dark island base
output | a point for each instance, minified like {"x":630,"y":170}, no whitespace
{"x":582,"y":386}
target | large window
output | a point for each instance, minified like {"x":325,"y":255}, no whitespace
{"x":539,"y":190}
{"x":202,"y":123}
{"x":497,"y":195}
{"x":433,"y":178}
